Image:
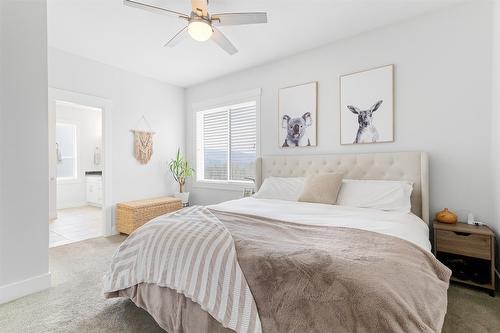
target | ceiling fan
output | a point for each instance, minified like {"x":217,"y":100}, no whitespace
{"x":201,"y":25}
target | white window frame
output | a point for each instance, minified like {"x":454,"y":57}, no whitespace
{"x":74,"y":178}
{"x":214,"y":106}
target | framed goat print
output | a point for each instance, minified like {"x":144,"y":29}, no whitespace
{"x":367,"y":106}
{"x":298,"y":115}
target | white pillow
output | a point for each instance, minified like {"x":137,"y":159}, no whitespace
{"x":390,"y":195}
{"x":288,"y":189}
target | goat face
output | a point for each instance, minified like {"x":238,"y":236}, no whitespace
{"x":365,"y":117}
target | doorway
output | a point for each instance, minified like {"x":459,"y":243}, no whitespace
{"x":78,"y":167}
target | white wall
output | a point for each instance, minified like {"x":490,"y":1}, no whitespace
{"x":2,"y":231}
{"x":131,"y":96}
{"x":88,"y":122}
{"x":495,"y":147}
{"x":23,"y":135}
{"x":442,"y":100}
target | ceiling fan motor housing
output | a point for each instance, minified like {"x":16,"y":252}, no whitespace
{"x":198,"y":16}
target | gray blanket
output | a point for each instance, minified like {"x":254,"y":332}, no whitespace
{"x":319,"y":279}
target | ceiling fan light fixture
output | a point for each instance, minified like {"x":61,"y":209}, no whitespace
{"x":200,"y":30}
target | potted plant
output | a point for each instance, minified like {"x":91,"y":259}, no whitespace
{"x":180,"y":170}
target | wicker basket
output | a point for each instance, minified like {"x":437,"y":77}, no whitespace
{"x":132,"y":215}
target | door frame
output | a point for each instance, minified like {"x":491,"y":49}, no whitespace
{"x":55,"y":95}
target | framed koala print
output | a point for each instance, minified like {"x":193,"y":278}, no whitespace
{"x":366,"y":106}
{"x":298,"y":115}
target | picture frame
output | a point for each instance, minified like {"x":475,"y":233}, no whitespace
{"x":367,"y":106}
{"x":297,"y":115}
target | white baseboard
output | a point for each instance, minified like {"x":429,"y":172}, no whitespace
{"x":22,"y":288}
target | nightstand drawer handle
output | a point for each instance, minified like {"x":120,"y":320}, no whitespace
{"x":462,"y":233}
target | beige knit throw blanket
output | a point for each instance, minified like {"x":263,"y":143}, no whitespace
{"x":193,"y":253}
{"x":143,"y":146}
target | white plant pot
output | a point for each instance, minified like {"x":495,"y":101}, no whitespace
{"x":184,"y":196}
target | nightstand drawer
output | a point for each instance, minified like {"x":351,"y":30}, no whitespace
{"x":462,"y":243}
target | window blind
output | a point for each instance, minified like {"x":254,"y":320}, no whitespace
{"x":229,"y":142}
{"x":215,"y":145}
{"x":243,"y":142}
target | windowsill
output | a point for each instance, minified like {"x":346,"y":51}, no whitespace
{"x":236,"y":186}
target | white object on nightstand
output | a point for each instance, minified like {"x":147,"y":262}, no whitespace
{"x":472,"y":220}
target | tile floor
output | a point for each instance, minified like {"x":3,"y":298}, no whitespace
{"x":75,"y":224}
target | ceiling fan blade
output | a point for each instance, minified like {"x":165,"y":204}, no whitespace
{"x":177,"y":38}
{"x":239,"y":18}
{"x":200,"y":5}
{"x":153,"y":9}
{"x":221,"y":40}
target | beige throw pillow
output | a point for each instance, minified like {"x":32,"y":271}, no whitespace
{"x":322,"y":188}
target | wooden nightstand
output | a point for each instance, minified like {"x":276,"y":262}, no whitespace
{"x":469,"y":251}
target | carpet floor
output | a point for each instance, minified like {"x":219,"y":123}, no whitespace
{"x":75,"y":302}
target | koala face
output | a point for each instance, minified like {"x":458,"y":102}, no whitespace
{"x":296,"y":127}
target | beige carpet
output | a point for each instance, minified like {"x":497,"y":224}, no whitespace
{"x":75,"y":303}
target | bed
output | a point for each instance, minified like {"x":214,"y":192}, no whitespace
{"x":263,"y":265}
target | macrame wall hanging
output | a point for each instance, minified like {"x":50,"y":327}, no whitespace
{"x":143,"y":143}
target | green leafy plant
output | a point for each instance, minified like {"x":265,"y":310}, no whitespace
{"x":180,"y":170}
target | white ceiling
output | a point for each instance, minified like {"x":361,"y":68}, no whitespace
{"x":132,"y":39}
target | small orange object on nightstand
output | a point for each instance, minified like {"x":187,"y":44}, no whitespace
{"x":445,"y":216}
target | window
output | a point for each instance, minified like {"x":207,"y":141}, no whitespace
{"x":66,"y":151}
{"x":227,"y":143}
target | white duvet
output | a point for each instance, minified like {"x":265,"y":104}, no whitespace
{"x":406,"y":226}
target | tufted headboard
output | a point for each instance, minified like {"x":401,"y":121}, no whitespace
{"x":411,"y":166}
